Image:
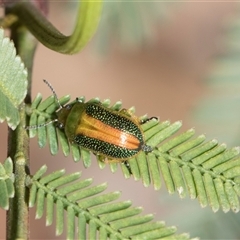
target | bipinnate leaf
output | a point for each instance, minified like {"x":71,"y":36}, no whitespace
{"x":188,"y":164}
{"x":98,"y":215}
{"x":6,"y":183}
{"x":13,"y":82}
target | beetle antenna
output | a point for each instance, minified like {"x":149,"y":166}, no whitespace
{"x":53,"y":91}
{"x":40,"y":125}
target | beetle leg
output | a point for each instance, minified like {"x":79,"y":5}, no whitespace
{"x":126,"y":112}
{"x":127,"y":165}
{"x":130,"y":114}
{"x":148,"y":119}
{"x":101,"y":158}
{"x":108,"y":160}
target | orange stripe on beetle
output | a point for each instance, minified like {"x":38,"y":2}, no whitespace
{"x":94,"y":128}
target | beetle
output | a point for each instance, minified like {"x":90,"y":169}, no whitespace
{"x":115,"y":136}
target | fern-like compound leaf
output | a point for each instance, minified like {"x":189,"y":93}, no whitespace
{"x":98,"y":215}
{"x":188,"y":164}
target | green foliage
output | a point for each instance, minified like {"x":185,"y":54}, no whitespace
{"x":6,"y":183}
{"x":13,"y":82}
{"x":189,"y":165}
{"x":90,"y":206}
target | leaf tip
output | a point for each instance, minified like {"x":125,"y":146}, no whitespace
{"x":191,"y":130}
{"x":181,"y":192}
{"x":178,"y":123}
{"x":215,"y":208}
{"x":236,"y":150}
{"x":214,"y":141}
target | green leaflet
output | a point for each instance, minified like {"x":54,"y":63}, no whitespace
{"x":188,"y":164}
{"x":6,"y":183}
{"x":96,"y":212}
{"x":13,"y":82}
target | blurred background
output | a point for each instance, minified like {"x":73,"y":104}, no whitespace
{"x":177,"y":61}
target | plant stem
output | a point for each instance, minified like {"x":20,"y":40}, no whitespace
{"x":88,"y":16}
{"x":17,"y":216}
{"x":18,"y":144}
